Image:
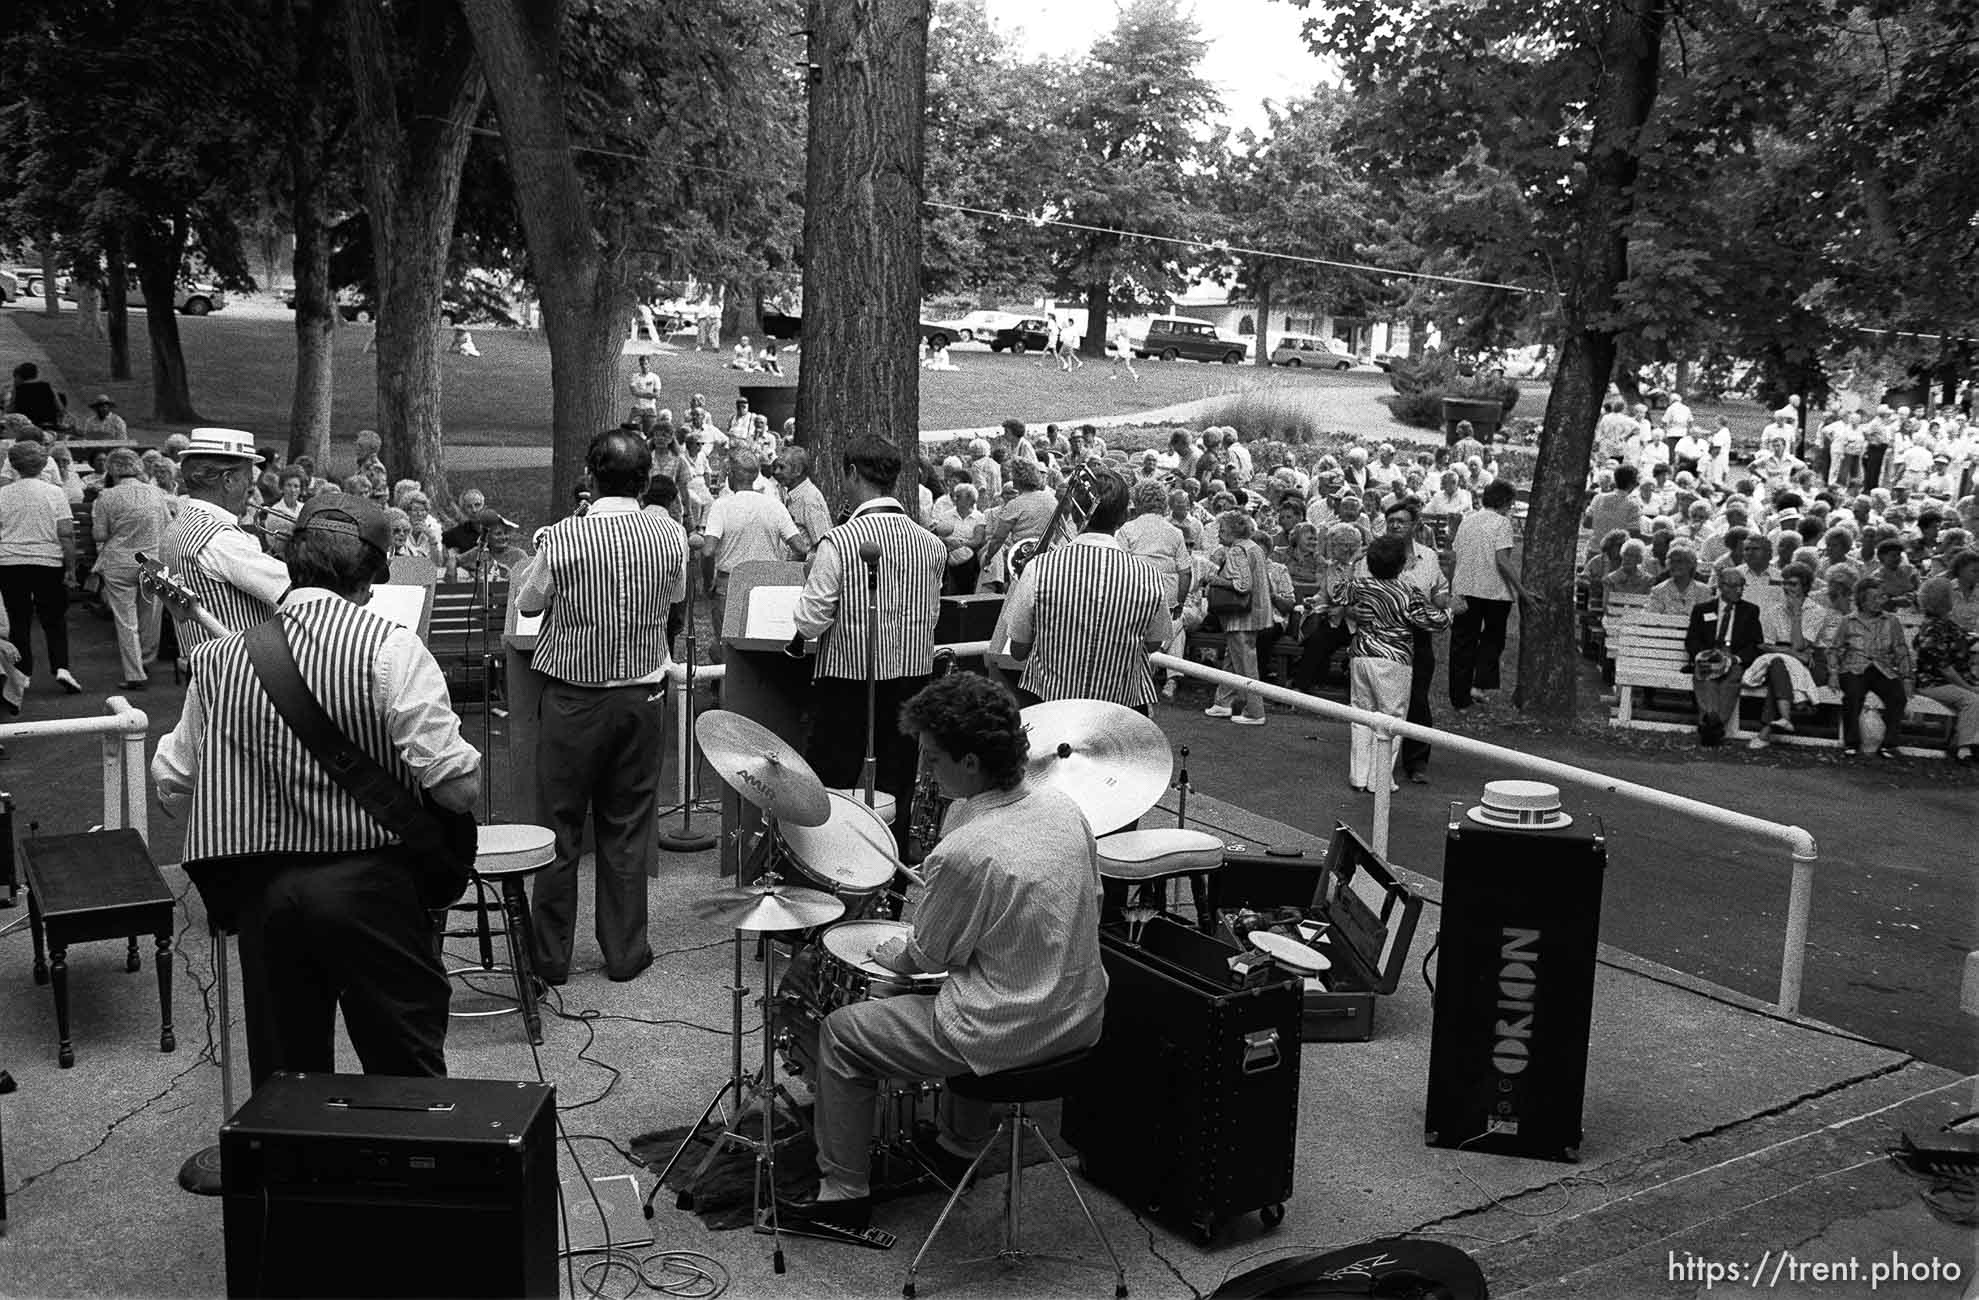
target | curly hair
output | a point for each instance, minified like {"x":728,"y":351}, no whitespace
{"x":963,"y":714}
{"x":1241,"y":525}
{"x":1150,"y":496}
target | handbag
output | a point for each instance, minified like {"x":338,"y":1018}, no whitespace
{"x":1226,"y":602}
{"x":440,"y":844}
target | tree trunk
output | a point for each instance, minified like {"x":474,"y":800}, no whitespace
{"x":160,"y":253}
{"x":413,"y":143}
{"x":1418,"y":337}
{"x":51,"y":293}
{"x":1263,"y":357}
{"x":315,"y":308}
{"x":742,"y":314}
{"x":581,"y":271}
{"x":1099,"y":306}
{"x":862,"y":233}
{"x":1549,"y":665}
{"x":116,"y":301}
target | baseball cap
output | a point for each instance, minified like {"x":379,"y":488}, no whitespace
{"x":101,"y":399}
{"x":351,"y":515}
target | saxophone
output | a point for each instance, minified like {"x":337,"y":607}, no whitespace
{"x":929,"y":805}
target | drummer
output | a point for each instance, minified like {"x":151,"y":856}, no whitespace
{"x":1013,"y":927}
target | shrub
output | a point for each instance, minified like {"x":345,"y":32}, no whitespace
{"x":1420,"y":387}
{"x":1266,"y":414}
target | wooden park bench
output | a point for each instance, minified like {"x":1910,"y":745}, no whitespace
{"x":1650,"y":656}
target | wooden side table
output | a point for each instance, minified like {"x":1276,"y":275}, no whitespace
{"x":99,"y":885}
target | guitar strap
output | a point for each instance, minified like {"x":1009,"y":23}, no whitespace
{"x":377,"y":791}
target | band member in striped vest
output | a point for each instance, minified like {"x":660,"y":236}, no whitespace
{"x":1086,"y":614}
{"x":208,"y":550}
{"x":835,"y":605}
{"x":607,"y":579}
{"x":324,"y":897}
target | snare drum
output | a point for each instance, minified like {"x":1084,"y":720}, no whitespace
{"x":847,"y":975}
{"x":850,"y":855}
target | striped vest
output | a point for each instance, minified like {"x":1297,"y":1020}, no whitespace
{"x":259,"y":790}
{"x":614,"y":575}
{"x":189,"y":535}
{"x":912,"y":562}
{"x":1093,"y":603}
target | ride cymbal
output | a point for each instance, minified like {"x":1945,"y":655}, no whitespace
{"x":754,"y":762}
{"x":1111,"y":761}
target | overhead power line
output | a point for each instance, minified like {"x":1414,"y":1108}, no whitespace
{"x":1218,"y":246}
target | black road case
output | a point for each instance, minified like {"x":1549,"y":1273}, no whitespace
{"x":1191,"y":1110}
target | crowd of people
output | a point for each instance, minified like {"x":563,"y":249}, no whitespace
{"x":1798,"y":568}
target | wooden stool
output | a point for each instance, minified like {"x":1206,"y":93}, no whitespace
{"x":505,"y":856}
{"x":99,"y":885}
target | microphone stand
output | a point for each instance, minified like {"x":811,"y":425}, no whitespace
{"x":869,"y":770}
{"x":689,"y":838}
{"x":484,"y":600}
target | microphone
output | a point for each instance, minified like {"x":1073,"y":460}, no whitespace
{"x":870,"y":553}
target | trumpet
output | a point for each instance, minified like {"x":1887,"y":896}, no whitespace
{"x":1076,"y":501}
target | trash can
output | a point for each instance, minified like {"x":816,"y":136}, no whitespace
{"x":1484,"y":417}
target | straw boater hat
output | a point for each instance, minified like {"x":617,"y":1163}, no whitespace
{"x":1521,"y":805}
{"x":237,"y":444}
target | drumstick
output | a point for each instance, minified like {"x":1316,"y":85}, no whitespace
{"x":913,"y":877}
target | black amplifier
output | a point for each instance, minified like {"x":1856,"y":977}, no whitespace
{"x":1514,"y":1000}
{"x":369,"y":1185}
{"x":967,"y":618}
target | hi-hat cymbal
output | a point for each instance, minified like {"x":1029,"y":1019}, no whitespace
{"x":755,"y":762}
{"x":771,"y":907}
{"x":1111,"y":761}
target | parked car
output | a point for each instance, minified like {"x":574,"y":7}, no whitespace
{"x":1024,"y":334}
{"x":974,"y":327}
{"x":1300,"y":350}
{"x":10,"y":287}
{"x":1172,"y":338}
{"x":361,"y":308}
{"x":194,"y":297}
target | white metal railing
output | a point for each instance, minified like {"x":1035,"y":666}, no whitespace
{"x":126,"y":788}
{"x":1389,"y":731}
{"x":684,"y":716}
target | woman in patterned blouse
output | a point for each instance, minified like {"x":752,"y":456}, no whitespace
{"x":1944,"y":657}
{"x":1385,"y":612}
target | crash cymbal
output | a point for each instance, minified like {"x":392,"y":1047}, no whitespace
{"x":771,"y":907}
{"x":1111,"y":761}
{"x":755,"y":762}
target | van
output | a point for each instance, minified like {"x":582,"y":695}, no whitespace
{"x":1310,"y":350}
{"x":1174,"y":337}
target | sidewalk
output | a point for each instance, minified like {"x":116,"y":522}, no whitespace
{"x":1715,"y":1131}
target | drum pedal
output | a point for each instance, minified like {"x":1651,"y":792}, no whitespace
{"x":870,"y":1238}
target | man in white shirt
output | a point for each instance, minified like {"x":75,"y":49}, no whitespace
{"x":1239,"y":455}
{"x":645,"y":386}
{"x":742,"y":527}
{"x":1676,"y":423}
{"x":801,"y":496}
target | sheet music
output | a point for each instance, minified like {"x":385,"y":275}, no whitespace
{"x":530,"y":624}
{"x":772,"y":613}
{"x":400,"y":602}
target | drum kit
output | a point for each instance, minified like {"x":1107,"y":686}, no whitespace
{"x":824,"y":882}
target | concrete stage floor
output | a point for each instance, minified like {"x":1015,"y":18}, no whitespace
{"x":1716,"y":1131}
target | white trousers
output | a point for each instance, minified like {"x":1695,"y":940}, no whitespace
{"x":1379,"y":686}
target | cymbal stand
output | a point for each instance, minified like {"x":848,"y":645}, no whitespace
{"x":688,"y":837}
{"x":484,"y":588}
{"x":869,"y":769}
{"x":759,"y":1092}
{"x":1181,"y":787}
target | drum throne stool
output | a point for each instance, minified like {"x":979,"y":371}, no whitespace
{"x":506,"y":856}
{"x":1015,"y":1090}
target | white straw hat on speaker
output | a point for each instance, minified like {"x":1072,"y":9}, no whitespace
{"x":1521,"y":805}
{"x":235,"y":443}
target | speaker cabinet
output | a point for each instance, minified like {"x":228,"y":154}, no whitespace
{"x":1515,"y":988}
{"x":365,"y":1185}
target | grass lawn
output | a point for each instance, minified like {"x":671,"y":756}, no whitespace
{"x":242,"y":363}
